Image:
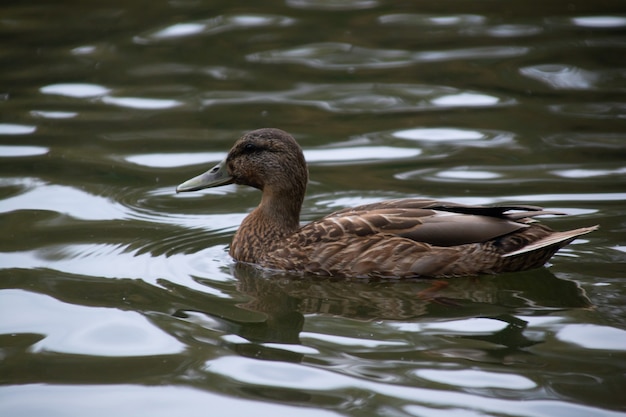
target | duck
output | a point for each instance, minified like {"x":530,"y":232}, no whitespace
{"x":399,"y":238}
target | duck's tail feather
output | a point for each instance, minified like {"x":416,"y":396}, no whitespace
{"x":558,"y":239}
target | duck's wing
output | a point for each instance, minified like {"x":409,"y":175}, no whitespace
{"x":429,"y":221}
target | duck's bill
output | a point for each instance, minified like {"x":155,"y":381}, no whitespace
{"x":216,"y":176}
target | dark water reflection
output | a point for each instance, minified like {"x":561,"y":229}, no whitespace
{"x":407,"y":299}
{"x":117,"y":297}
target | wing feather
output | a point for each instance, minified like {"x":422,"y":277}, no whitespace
{"x":434,"y":222}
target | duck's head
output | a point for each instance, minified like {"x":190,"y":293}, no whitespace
{"x":268,"y":159}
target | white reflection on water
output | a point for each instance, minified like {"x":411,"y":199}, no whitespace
{"x":15,"y":129}
{"x":16,"y":151}
{"x":476,"y":138}
{"x":359,"y":153}
{"x":339,"y":56}
{"x":513,"y":30}
{"x":309,"y":378}
{"x":77,"y":90}
{"x":465,"y":326}
{"x":466,"y":99}
{"x":348,"y":341}
{"x":238,"y":340}
{"x":465,"y":174}
{"x":347,"y":201}
{"x":84,"y":50}
{"x":559,"y":76}
{"x":361,"y":97}
{"x":593,"y":110}
{"x":218,"y":24}
{"x":412,"y":19}
{"x":117,"y":262}
{"x":179,"y":29}
{"x":279,"y":374}
{"x":476,"y":379}
{"x":343,"y":154}
{"x":170,"y":160}
{"x":62,"y":199}
{"x":620,"y":248}
{"x":333,"y":4}
{"x":82,"y":330}
{"x":600,"y":21}
{"x":567,"y":197}
{"x":588,"y":173}
{"x":138,"y":400}
{"x":591,"y":336}
{"x":440,"y":134}
{"x":53,"y":114}
{"x":142,"y":103}
{"x":587,"y":140}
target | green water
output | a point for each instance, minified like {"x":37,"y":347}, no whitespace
{"x":118,"y":297}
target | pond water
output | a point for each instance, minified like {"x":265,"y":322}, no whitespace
{"x":118,"y":297}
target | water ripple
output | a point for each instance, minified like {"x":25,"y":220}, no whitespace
{"x":570,"y":77}
{"x":338,"y":5}
{"x":513,"y":30}
{"x":61,"y":199}
{"x":597,"y":110}
{"x":363,"y":97}
{"x":587,"y":140}
{"x":495,"y":174}
{"x":218,"y":24}
{"x":334,"y":154}
{"x":463,"y":24}
{"x":422,"y":20}
{"x":309,"y":378}
{"x":83,"y":330}
{"x":127,"y":204}
{"x":157,"y":401}
{"x":476,"y":379}
{"x":447,"y":137}
{"x":349,"y":341}
{"x":180,"y":69}
{"x":122,"y":261}
{"x":161,"y":206}
{"x":340,"y":56}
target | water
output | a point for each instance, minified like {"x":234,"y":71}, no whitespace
{"x":118,"y":297}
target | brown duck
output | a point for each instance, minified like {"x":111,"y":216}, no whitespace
{"x":396,"y":238}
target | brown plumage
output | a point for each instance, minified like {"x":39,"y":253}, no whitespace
{"x":396,"y":238}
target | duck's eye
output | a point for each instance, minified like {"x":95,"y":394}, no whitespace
{"x":250,"y":148}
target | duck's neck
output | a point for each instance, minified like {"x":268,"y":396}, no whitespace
{"x":276,"y":217}
{"x":280,"y":211}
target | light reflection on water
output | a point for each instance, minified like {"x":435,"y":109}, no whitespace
{"x":214,"y":26}
{"x":341,"y":56}
{"x":83,"y":330}
{"x":361,"y":98}
{"x":118,"y":296}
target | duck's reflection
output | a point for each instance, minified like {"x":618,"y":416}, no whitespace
{"x":286,"y":300}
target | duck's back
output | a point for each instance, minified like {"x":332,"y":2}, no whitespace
{"x":420,"y":238}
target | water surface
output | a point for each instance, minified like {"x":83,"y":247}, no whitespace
{"x":117,"y":296}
